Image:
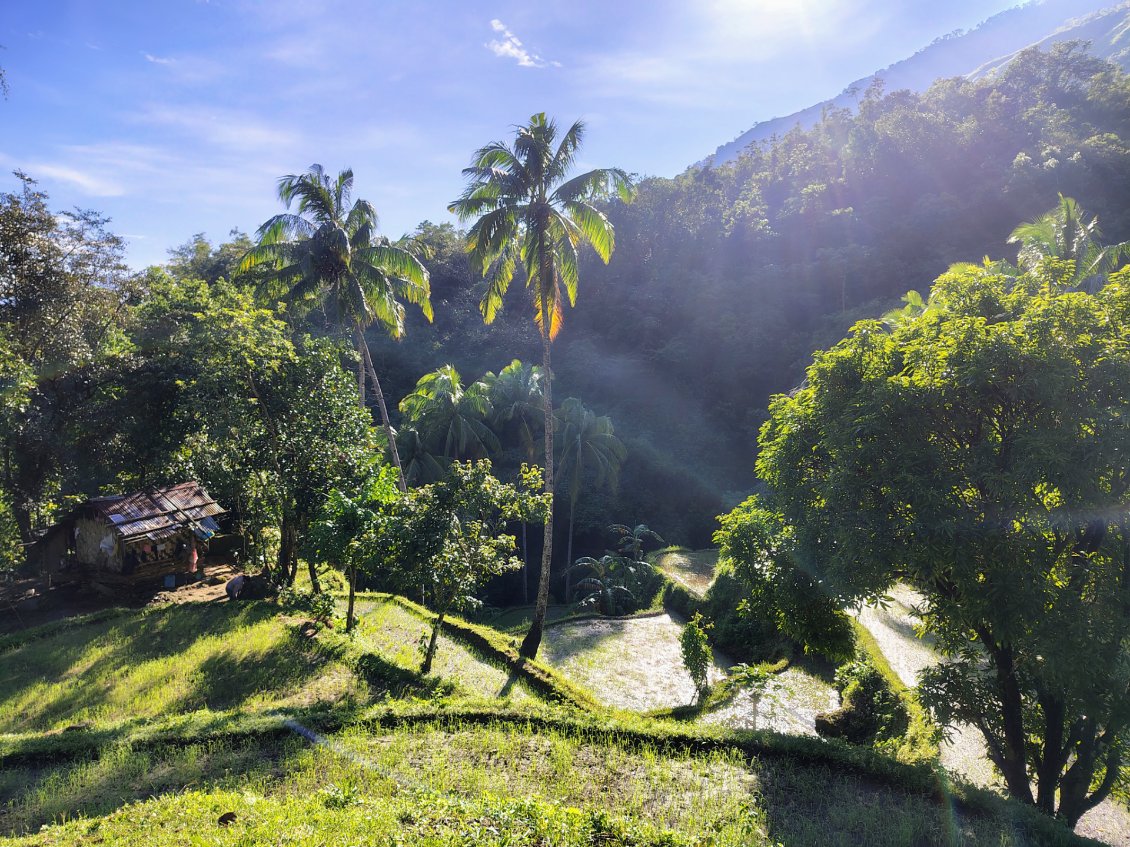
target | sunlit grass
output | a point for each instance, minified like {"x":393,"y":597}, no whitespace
{"x":467,"y":784}
{"x":176,"y":659}
{"x":692,"y":569}
{"x":396,"y":634}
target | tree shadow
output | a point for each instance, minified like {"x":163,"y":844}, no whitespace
{"x":34,"y":796}
{"x":88,"y":667}
{"x":809,"y":805}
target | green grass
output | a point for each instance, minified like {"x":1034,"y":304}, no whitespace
{"x":466,"y":783}
{"x":165,"y":661}
{"x":692,"y":569}
{"x":920,"y":744}
{"x":516,"y":621}
{"x":633,"y":663}
{"x":395,"y":633}
{"x":439,"y":760}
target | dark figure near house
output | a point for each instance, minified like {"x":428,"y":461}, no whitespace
{"x":234,"y":586}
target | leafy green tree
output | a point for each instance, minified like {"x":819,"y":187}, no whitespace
{"x":447,"y":537}
{"x":419,"y":463}
{"x":978,"y":453}
{"x":64,"y":287}
{"x":329,"y":252}
{"x":198,"y":259}
{"x":1067,"y":232}
{"x":588,"y":452}
{"x":758,"y":550}
{"x":516,"y":397}
{"x":222,"y":394}
{"x":697,"y":656}
{"x":348,"y":528}
{"x":527,"y":209}
{"x":452,"y":420}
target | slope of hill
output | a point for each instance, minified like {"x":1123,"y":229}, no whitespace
{"x":413,"y":762}
{"x":975,"y":52}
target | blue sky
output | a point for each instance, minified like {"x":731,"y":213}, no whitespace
{"x":178,"y":116}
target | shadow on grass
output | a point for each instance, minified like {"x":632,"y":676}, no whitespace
{"x":31,"y":797}
{"x":101,"y":667}
{"x":816,"y":806}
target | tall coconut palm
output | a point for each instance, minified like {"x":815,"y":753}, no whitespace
{"x":1067,"y":232}
{"x":452,"y":418}
{"x":527,"y":209}
{"x":588,"y":450}
{"x":328,"y":252}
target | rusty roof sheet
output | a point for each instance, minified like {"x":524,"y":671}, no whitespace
{"x":158,"y":512}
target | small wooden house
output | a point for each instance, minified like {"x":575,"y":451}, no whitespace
{"x":131,"y":537}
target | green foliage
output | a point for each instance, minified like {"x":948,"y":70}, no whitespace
{"x":920,"y":741}
{"x":977,"y":452}
{"x":348,"y":531}
{"x":697,"y":656}
{"x":741,"y":628}
{"x":453,"y":420}
{"x":63,"y":288}
{"x":329,"y":253}
{"x":761,"y":550}
{"x":320,"y":606}
{"x":614,"y":585}
{"x":528,"y":209}
{"x":1067,"y":232}
{"x":871,"y":711}
{"x":447,"y":538}
{"x":630,"y":540}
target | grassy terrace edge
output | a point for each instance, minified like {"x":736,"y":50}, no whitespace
{"x":500,"y":649}
{"x":929,"y":781}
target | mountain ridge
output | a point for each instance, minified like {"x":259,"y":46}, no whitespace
{"x":972,"y":53}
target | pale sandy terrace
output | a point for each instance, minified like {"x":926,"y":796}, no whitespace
{"x":964,"y":752}
{"x":636,"y":663}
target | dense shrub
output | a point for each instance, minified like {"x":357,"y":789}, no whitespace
{"x":739,"y":630}
{"x":872,"y":712}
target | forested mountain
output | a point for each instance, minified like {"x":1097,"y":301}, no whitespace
{"x":971,"y":53}
{"x":726,"y":278}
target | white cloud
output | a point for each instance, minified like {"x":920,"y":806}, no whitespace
{"x":509,"y":46}
{"x":158,"y":60}
{"x":92,"y":184}
{"x":227,"y":128}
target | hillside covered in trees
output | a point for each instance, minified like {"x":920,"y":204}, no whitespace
{"x":879,"y":367}
{"x":725,"y":279}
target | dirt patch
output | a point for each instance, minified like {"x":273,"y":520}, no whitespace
{"x":33,"y":602}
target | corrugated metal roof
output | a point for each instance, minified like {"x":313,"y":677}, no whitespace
{"x":158,"y":512}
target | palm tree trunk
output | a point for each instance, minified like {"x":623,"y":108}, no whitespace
{"x":361,"y":379}
{"x":367,"y":360}
{"x":532,"y":641}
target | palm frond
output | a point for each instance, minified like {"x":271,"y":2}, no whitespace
{"x":284,"y":227}
{"x":595,"y":226}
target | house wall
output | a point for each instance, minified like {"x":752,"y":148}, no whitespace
{"x":89,"y":547}
{"x":48,"y":554}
